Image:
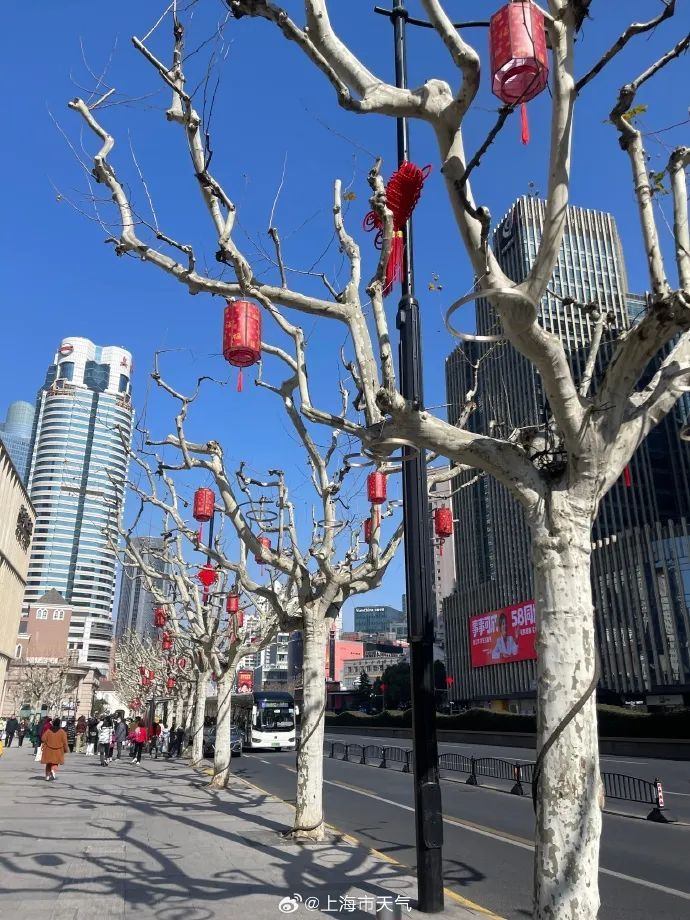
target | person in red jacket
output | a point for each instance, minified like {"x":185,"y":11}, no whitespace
{"x":140,"y":736}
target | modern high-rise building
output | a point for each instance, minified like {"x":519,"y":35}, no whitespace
{"x":377,"y":619}
{"x":15,"y":433}
{"x":82,"y":432}
{"x":135,"y":607}
{"x":641,"y":543}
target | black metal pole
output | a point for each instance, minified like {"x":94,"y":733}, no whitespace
{"x":418,"y":561}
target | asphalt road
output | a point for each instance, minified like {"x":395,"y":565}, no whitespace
{"x":645,"y":867}
{"x":673,"y":774}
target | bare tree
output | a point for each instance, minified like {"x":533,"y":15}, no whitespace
{"x":592,"y":432}
{"x":134,"y":652}
{"x":196,"y":617}
{"x":40,"y":683}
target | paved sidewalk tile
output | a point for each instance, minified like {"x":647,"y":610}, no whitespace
{"x":153,"y":843}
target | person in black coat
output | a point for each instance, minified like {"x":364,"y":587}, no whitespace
{"x":10,"y":729}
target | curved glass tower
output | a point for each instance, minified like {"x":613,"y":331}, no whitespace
{"x":15,"y":432}
{"x":82,"y":432}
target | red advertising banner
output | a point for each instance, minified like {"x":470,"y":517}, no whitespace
{"x":503,"y":635}
{"x":245,"y":681}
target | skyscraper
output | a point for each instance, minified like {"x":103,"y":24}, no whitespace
{"x":135,"y":607}
{"x":15,"y":433}
{"x":82,"y":432}
{"x":640,"y":536}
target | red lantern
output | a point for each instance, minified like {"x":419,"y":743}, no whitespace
{"x":182,"y":663}
{"x":232,"y":604}
{"x":242,"y":335}
{"x":376,"y":488}
{"x":368,"y":528}
{"x":160,"y":617}
{"x":240,"y":619}
{"x":204,"y":504}
{"x":266,"y":543}
{"x":135,"y":703}
{"x":450,"y":681}
{"x":207,"y":575}
{"x":519,"y":62}
{"x":167,"y":642}
{"x":142,"y":670}
{"x":443,"y":526}
{"x":170,"y":683}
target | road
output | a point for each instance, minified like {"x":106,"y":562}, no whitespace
{"x":645,"y":867}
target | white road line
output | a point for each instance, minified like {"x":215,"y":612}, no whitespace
{"x":455,"y":822}
{"x":685,"y":794}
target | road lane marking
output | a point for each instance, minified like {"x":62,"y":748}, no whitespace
{"x":520,"y":842}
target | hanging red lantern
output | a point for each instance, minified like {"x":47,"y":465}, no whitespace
{"x":443,"y":526}
{"x":402,"y":194}
{"x":167,"y":642}
{"x":204,"y":504}
{"x":519,"y":61}
{"x":266,"y":543}
{"x":160,"y":617}
{"x":368,"y":530}
{"x":142,"y":670}
{"x":182,"y":663}
{"x":207,"y":575}
{"x":627,"y":477}
{"x":376,"y":488}
{"x":242,"y":335}
{"x":170,"y":683}
{"x":232,"y":604}
{"x":135,"y":703}
{"x":240,"y":619}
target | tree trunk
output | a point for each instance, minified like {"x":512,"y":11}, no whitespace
{"x":198,"y":714}
{"x":222,"y":754}
{"x":309,"y":804}
{"x":569,"y":792}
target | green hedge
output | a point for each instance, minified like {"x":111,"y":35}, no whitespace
{"x":614,"y":722}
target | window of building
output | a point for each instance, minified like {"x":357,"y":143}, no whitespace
{"x":18,"y":651}
{"x":41,"y":613}
{"x":66,"y":370}
{"x":58,"y":614}
{"x":96,"y":376}
{"x":122,"y":386}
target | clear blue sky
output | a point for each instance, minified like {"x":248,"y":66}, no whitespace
{"x":271,"y":109}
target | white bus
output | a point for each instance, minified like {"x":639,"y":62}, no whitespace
{"x":266,"y":719}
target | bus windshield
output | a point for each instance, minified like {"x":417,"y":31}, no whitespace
{"x":276,"y":716}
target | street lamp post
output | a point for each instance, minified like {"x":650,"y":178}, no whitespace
{"x":418,"y":562}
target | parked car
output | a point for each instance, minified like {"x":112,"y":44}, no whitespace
{"x":210,"y":741}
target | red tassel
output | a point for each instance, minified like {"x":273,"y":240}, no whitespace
{"x":627,"y":478}
{"x":524,"y":124}
{"x":199,"y":536}
{"x":240,"y":382}
{"x":395,"y":262}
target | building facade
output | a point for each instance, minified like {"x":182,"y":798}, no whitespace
{"x":136,"y":603}
{"x":82,"y":432}
{"x":15,"y":433}
{"x":371,"y":665}
{"x":640,"y":559}
{"x":377,"y":619}
{"x":444,"y":565}
{"x":17,"y":522}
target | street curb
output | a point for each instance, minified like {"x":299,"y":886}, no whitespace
{"x":454,"y":896}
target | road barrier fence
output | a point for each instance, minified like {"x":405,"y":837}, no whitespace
{"x":519,"y":774}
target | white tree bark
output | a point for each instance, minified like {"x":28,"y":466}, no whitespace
{"x":222,"y":754}
{"x":309,"y":822}
{"x":198,"y":713}
{"x":569,"y":789}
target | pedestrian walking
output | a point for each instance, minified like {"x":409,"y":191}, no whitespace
{"x":165,"y":740}
{"x":155,"y":739}
{"x":53,"y":748}
{"x":10,"y":730}
{"x":140,"y":734}
{"x":81,"y":734}
{"x":91,"y":736}
{"x":3,"y":724}
{"x":105,"y":737}
{"x":71,"y":732}
{"x":21,"y":732}
{"x":121,"y":733}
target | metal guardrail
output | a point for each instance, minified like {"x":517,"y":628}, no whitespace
{"x":616,"y":785}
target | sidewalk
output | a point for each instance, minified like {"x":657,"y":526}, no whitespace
{"x":109,"y":843}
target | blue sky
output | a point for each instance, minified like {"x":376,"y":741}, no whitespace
{"x":271,"y":113}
